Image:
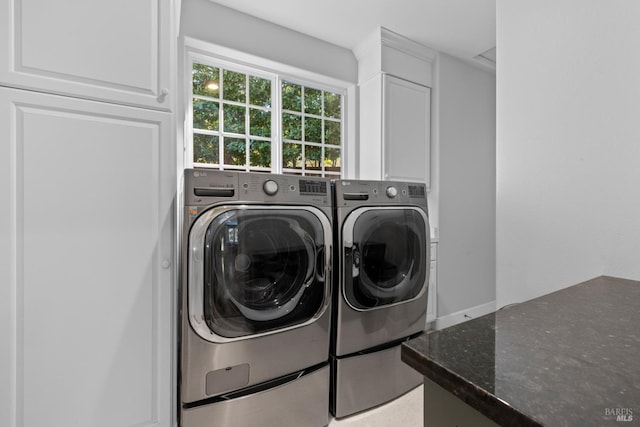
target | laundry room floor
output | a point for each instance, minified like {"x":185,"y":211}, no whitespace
{"x":405,"y":411}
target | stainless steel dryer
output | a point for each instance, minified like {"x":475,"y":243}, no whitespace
{"x":255,"y":300}
{"x":382,"y":276}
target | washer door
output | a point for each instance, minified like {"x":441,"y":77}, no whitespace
{"x":385,"y":254}
{"x":255,"y":270}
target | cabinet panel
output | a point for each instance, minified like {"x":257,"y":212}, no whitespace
{"x":406,"y":130}
{"x":432,"y":300}
{"x":115,"y":51}
{"x":444,"y":409}
{"x":370,"y":162}
{"x":87,"y":303}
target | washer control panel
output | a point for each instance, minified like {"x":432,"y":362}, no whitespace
{"x":203,"y":187}
{"x":270,"y":187}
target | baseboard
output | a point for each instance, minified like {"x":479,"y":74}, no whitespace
{"x":464,"y":315}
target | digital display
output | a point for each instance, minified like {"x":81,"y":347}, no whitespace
{"x":312,"y":188}
{"x":416,"y":191}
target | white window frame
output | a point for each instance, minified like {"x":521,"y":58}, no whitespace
{"x":229,"y":59}
{"x":225,"y":65}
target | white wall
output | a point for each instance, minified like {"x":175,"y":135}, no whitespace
{"x":211,"y":22}
{"x":464,"y":185}
{"x":568,"y":150}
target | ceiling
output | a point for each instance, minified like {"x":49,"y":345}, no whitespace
{"x":462,"y":28}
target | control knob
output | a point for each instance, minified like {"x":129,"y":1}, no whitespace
{"x":270,"y":187}
{"x":392,"y":192}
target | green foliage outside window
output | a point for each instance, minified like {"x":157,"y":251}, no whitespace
{"x":232,"y":111}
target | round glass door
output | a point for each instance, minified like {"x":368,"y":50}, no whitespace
{"x":263,"y":269}
{"x":385,"y":256}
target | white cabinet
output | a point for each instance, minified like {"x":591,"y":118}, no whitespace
{"x":394,"y":76}
{"x":86,"y":253}
{"x":395,"y":130}
{"x":406,"y":129}
{"x":116,"y":51}
{"x":432,"y":301}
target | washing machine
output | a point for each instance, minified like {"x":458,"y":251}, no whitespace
{"x":255,"y":300}
{"x":380,"y":299}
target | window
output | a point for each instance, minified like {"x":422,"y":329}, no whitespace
{"x":311,"y":130}
{"x":251,"y":120}
{"x":231,"y":119}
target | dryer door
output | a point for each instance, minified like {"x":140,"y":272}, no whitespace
{"x":257,"y":270}
{"x":385,"y":256}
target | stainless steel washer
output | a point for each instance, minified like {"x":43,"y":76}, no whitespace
{"x":255,"y":300}
{"x":382,"y":276}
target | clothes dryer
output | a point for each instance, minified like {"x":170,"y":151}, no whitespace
{"x":382,"y":275}
{"x":255,"y":299}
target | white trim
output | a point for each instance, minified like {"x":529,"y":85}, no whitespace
{"x":350,"y":135}
{"x":406,"y":46}
{"x":382,"y":36}
{"x":298,"y":75}
{"x":464,"y":315}
{"x":385,"y":51}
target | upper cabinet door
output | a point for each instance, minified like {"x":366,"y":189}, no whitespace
{"x":115,"y":51}
{"x":406,"y":130}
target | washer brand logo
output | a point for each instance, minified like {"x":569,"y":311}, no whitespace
{"x":621,"y":414}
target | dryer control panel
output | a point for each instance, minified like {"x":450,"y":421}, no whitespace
{"x":358,"y":192}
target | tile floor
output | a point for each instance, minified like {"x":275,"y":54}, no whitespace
{"x":405,"y":411}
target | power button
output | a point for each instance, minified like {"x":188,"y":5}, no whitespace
{"x":270,"y":187}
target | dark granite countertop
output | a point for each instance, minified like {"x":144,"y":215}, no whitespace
{"x":569,"y":358}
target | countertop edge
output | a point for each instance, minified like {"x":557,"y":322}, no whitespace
{"x":476,"y":397}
